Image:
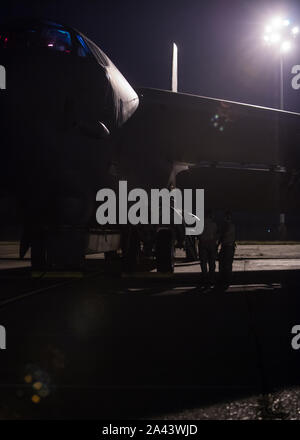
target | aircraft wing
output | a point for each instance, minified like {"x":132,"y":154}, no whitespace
{"x":194,"y":128}
{"x":212,"y":134}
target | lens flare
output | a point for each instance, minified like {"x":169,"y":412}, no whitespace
{"x":275,"y":38}
{"x":277,"y":22}
{"x":286,"y":46}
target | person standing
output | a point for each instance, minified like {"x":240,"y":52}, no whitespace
{"x":227,"y":242}
{"x":208,"y":248}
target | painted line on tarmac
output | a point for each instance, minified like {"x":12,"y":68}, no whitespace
{"x":33,"y":292}
{"x":147,"y":275}
{"x":57,"y":274}
{"x":44,"y":289}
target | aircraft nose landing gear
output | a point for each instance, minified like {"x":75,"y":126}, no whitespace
{"x":165,"y":251}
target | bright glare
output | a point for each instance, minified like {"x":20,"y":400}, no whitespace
{"x":277,"y":22}
{"x":286,"y":46}
{"x":275,"y":38}
{"x":278,"y":34}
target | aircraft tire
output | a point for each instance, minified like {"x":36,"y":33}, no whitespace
{"x":165,"y":251}
{"x":131,"y":250}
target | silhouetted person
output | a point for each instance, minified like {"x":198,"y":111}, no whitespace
{"x":208,"y":248}
{"x":227,"y":242}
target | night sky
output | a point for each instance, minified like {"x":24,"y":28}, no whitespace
{"x":221,"y":50}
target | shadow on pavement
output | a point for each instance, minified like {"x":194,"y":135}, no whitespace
{"x":101,"y":350}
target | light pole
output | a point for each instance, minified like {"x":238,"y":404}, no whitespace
{"x":281,"y":83}
{"x":280,"y":35}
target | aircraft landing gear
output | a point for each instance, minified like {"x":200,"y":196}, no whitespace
{"x":58,"y":249}
{"x":165,"y":251}
{"x":130,"y":249}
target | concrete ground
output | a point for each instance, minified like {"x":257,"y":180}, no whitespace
{"x":112,"y":346}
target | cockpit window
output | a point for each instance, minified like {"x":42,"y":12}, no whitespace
{"x":83,"y":50}
{"x":57,"y":39}
{"x":45,"y":37}
{"x":97,"y":52}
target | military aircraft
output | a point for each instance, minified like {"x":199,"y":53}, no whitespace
{"x":71,"y":124}
{"x":63,"y":99}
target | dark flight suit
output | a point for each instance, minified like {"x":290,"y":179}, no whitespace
{"x":227,"y":241}
{"x":208,"y":249}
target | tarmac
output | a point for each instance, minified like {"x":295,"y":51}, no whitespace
{"x":108,"y":345}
